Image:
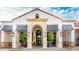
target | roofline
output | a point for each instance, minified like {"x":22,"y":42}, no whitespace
{"x":34,"y":10}
{"x":69,"y":21}
{"x":5,"y":21}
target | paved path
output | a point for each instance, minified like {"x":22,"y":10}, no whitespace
{"x":42,"y":49}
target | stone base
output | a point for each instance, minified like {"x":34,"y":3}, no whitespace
{"x":73,"y":44}
{"x":68,"y":44}
{"x":5,"y":44}
{"x":59,"y":44}
{"x":44,"y":44}
{"x":17,"y":45}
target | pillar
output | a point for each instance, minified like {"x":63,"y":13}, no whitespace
{"x":29,"y":37}
{"x":15,"y":38}
{"x":59,"y":37}
{"x":44,"y":36}
{"x":73,"y":38}
{"x":2,"y":39}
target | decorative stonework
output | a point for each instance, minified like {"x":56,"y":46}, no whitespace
{"x":37,"y":20}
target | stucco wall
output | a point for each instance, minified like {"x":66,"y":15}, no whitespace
{"x":8,"y":37}
{"x":0,"y":36}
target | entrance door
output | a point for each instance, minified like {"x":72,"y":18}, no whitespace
{"x":38,"y":38}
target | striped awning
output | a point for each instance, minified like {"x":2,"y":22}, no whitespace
{"x":67,"y":27}
{"x":7,"y":27}
{"x":52,"y":27}
{"x":21,"y":28}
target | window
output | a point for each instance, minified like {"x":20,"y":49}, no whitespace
{"x":37,"y":16}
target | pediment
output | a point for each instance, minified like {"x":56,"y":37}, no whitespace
{"x":42,"y":14}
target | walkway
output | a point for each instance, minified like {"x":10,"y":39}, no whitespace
{"x":42,"y":49}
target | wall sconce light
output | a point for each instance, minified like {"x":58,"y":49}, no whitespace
{"x":28,"y":32}
{"x":13,"y":34}
{"x":28,"y":35}
{"x":61,"y":34}
{"x":45,"y":35}
{"x":45,"y":32}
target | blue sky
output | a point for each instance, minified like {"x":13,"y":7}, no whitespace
{"x":67,"y":13}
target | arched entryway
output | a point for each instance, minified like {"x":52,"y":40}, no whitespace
{"x":37,"y":36}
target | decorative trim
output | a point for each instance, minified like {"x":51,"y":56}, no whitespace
{"x":37,"y":20}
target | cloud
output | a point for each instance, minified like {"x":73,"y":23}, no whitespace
{"x":70,"y":13}
{"x":8,"y":13}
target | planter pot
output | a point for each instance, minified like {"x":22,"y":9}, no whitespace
{"x":24,"y":44}
{"x":49,"y":43}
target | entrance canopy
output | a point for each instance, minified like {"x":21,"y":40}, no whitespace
{"x":7,"y":28}
{"x":52,"y":27}
{"x":21,"y":28}
{"x":0,"y":28}
{"x":55,"y":27}
{"x":67,"y":27}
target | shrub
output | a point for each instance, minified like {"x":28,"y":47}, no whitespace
{"x":50,"y":36}
{"x":22,"y":37}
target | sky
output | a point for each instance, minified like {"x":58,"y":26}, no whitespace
{"x":67,"y":13}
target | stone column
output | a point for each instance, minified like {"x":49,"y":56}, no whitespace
{"x":2,"y":39}
{"x":29,"y":37}
{"x":15,"y":38}
{"x":59,"y":37}
{"x":73,"y":38}
{"x":44,"y":36}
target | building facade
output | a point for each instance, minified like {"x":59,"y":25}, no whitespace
{"x":38,"y":22}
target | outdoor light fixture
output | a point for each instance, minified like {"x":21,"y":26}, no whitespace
{"x":13,"y":34}
{"x":28,"y":35}
{"x":45,"y":32}
{"x":61,"y":34}
{"x":28,"y":32}
{"x":45,"y":35}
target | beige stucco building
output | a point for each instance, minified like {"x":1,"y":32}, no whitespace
{"x":38,"y":22}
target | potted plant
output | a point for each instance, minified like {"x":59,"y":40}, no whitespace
{"x":50,"y":39}
{"x":23,"y":39}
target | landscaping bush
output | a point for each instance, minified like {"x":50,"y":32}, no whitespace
{"x":23,"y":39}
{"x":50,"y":39}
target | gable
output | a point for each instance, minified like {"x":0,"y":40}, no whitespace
{"x":32,"y":14}
{"x":37,"y":10}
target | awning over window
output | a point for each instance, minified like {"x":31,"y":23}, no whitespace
{"x":52,"y":27}
{"x":67,"y":27}
{"x":21,"y":28}
{"x":7,"y":28}
{"x":0,"y":27}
